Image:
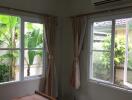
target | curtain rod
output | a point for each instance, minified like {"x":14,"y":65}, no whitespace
{"x":103,"y":11}
{"x":25,"y":11}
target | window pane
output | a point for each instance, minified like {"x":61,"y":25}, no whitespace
{"x":101,"y":65}
{"x":9,"y":65}
{"x":129,"y":67}
{"x":33,"y":35}
{"x":102,"y":35}
{"x":119,"y":50}
{"x":9,"y":31}
{"x":33,"y":62}
{"x":101,"y":50}
{"x":122,"y":47}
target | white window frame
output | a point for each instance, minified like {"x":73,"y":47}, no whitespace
{"x":108,"y":18}
{"x":111,"y":52}
{"x":126,"y":63}
{"x":32,"y":19}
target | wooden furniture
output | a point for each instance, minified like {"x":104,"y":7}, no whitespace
{"x":36,"y":96}
{"x":45,"y":95}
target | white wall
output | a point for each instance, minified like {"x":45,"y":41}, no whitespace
{"x":11,"y":90}
{"x":66,"y":59}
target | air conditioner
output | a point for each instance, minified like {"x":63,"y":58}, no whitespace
{"x":101,"y":2}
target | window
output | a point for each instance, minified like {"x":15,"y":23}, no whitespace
{"x":9,"y":48}
{"x":21,"y":47}
{"x":101,"y":48}
{"x":112,"y":51}
{"x":33,"y":49}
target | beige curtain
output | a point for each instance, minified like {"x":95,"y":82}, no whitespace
{"x":50,"y":79}
{"x":79,"y":30}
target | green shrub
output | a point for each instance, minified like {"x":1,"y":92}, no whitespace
{"x":4,"y":73}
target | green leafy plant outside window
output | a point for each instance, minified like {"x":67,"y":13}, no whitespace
{"x":9,"y":32}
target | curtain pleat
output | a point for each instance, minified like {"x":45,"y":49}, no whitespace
{"x":79,"y":29}
{"x":50,"y":76}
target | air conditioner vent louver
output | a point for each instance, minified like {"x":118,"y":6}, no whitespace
{"x":104,"y":2}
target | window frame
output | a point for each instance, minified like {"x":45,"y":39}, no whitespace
{"x":33,"y":20}
{"x":25,"y":17}
{"x":92,"y":50}
{"x":98,"y":18}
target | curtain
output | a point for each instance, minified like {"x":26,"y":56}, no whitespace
{"x":79,"y":30}
{"x":50,"y":72}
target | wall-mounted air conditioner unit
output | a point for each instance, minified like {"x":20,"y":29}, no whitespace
{"x":101,"y":2}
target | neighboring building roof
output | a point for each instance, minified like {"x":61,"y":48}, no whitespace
{"x":109,"y":23}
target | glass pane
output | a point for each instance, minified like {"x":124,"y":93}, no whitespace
{"x":119,"y":50}
{"x":9,"y":31}
{"x":102,"y":35}
{"x":129,"y":67}
{"x":33,"y":35}
{"x":101,"y":65}
{"x":33,"y":62}
{"x":9,"y":65}
{"x":122,"y":27}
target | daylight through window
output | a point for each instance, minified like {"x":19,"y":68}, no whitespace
{"x":17,"y":48}
{"x":112,"y":51}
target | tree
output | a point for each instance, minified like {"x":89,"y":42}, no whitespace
{"x":10,"y":29}
{"x":119,"y":50}
{"x":33,"y":39}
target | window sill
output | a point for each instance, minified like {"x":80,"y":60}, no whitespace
{"x":17,"y":82}
{"x":33,"y":77}
{"x":113,"y":86}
